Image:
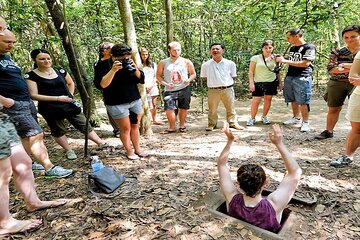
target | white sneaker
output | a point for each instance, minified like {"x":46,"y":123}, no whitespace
{"x":251,"y":122}
{"x":70,"y":154}
{"x":292,"y":121}
{"x":37,"y":167}
{"x":265,"y":120}
{"x":305,"y":127}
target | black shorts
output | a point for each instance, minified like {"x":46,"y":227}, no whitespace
{"x":177,"y":99}
{"x":265,"y":88}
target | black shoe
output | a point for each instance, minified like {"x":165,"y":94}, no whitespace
{"x":324,"y":135}
{"x":342,"y":161}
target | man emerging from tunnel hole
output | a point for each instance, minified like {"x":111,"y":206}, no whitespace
{"x":247,"y":203}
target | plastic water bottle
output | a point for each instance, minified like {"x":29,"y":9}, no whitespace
{"x":96,"y":163}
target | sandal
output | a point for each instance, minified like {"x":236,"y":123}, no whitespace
{"x":142,"y":155}
{"x":133,"y":157}
{"x":182,"y":129}
{"x":170,"y":131}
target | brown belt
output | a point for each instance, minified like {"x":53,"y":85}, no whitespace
{"x":220,"y":87}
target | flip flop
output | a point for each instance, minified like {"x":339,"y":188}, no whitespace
{"x":142,"y":155}
{"x":23,"y":227}
{"x":133,"y":157}
{"x":182,"y":129}
{"x":170,"y":131}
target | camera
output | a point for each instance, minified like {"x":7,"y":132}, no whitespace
{"x":126,"y":64}
{"x":276,"y":69}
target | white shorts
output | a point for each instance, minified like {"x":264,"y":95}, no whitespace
{"x":353,"y":111}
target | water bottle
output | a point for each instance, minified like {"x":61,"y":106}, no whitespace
{"x":96,"y":163}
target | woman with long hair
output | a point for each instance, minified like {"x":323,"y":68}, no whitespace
{"x":264,"y":80}
{"x":54,"y":89}
{"x":151,"y":85}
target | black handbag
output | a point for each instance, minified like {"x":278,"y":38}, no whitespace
{"x":106,"y":179}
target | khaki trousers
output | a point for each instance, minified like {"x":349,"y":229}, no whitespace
{"x":227,"y":97}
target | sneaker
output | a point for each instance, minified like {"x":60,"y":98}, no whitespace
{"x":37,"y":167}
{"x":265,"y":120}
{"x":70,"y":154}
{"x":210,"y":128}
{"x":236,"y":126}
{"x":58,"y":172}
{"x":324,"y":135}
{"x":342,"y":161}
{"x":251,"y":122}
{"x":293,"y":121}
{"x":305,"y":127}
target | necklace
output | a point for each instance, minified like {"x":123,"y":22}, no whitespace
{"x":46,"y":72}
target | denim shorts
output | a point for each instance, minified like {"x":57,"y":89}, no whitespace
{"x":123,"y":110}
{"x":23,"y":115}
{"x":297,"y":89}
{"x":177,"y":99}
{"x":8,"y":137}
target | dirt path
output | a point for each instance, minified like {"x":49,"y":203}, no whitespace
{"x":167,"y":202}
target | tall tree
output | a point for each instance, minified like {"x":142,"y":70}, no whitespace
{"x":130,"y":39}
{"x":169,"y":21}
{"x":58,"y":16}
{"x":82,"y":81}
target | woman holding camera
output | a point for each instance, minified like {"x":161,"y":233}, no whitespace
{"x":54,"y":90}
{"x":117,"y":78}
{"x":264,"y":80}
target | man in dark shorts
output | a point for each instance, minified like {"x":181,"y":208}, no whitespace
{"x":338,"y":86}
{"x":15,"y":98}
{"x":298,"y":80}
{"x":176,"y":73}
{"x":14,"y":159}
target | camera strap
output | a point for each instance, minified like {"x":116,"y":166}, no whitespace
{"x":271,"y":70}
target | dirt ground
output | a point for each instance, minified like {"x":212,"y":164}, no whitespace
{"x":167,"y":202}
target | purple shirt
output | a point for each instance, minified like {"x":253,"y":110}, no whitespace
{"x":263,"y":215}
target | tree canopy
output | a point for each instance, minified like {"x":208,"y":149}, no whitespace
{"x":240,"y":25}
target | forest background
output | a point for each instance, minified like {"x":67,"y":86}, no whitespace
{"x":240,"y":25}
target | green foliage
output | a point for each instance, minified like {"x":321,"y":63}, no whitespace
{"x":240,"y":25}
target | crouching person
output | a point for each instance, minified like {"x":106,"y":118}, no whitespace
{"x":247,"y":203}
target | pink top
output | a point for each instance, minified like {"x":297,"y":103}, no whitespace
{"x":263,"y":215}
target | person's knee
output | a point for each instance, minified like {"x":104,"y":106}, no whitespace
{"x":6,"y":170}
{"x":334,"y":110}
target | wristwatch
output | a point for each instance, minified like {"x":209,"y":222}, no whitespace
{"x":340,"y":67}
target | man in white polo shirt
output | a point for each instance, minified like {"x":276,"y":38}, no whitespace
{"x":219,"y":73}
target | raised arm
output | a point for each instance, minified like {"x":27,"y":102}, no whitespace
{"x":282,"y":195}
{"x":226,"y":184}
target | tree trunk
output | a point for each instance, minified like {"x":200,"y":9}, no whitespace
{"x":169,"y":22}
{"x":130,"y":39}
{"x":82,"y":82}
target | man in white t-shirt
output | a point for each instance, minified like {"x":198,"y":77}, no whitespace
{"x":219,"y":73}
